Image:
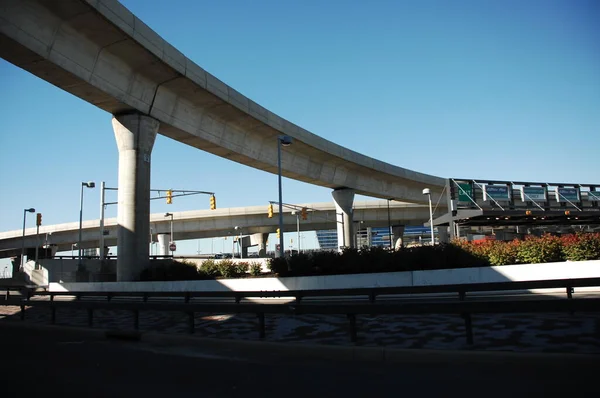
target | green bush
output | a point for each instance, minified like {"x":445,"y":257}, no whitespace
{"x":545,"y":249}
{"x":458,"y":254}
{"x":255,"y":268}
{"x":278,"y":266}
{"x":504,"y":253}
{"x":226,"y":268}
{"x":169,"y":270}
{"x":301,"y":264}
{"x":241,"y":268}
{"x":581,"y":247}
{"x":210,"y":268}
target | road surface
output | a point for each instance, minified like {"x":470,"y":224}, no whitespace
{"x":73,"y":363}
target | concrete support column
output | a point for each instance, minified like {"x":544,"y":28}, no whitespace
{"x":344,"y":200}
{"x":443,"y":236}
{"x":260,"y":240}
{"x":163,"y":244}
{"x":135,"y":135}
{"x":398,"y":236}
{"x":16,"y":265}
{"x":369,"y":236}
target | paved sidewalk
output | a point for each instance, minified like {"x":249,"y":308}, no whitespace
{"x":578,"y":333}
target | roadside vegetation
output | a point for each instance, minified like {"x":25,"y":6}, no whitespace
{"x":457,"y":254}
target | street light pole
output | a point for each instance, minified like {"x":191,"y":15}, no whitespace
{"x":25,"y":211}
{"x":172,"y":237}
{"x":427,"y":192}
{"x":101,"y":251}
{"x":89,"y":184}
{"x":297,"y":228}
{"x":389,"y":223}
{"x":285,"y":141}
{"x":240,"y":241}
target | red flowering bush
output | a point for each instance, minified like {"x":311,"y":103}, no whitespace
{"x":581,"y":247}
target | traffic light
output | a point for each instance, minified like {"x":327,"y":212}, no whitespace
{"x":38,"y":220}
{"x":213,"y":202}
{"x":278,"y":233}
{"x":303,"y":212}
{"x":169,"y":197}
{"x":528,"y":213}
{"x":270,"y":211}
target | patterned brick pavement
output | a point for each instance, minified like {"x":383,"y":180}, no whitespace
{"x":577,"y":333}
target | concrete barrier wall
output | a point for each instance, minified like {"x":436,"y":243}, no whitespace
{"x":520,"y":272}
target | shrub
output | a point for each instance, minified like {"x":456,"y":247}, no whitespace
{"x":227,"y":268}
{"x":544,"y":249}
{"x":241,"y":268}
{"x":580,"y":247}
{"x":503,"y":253}
{"x":255,"y":268}
{"x":210,"y":268}
{"x":301,"y":264}
{"x":278,"y":266}
{"x":169,"y":270}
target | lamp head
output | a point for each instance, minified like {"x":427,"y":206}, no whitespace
{"x":286,"y":140}
{"x":31,"y":210}
{"x":426,"y":191}
{"x":89,"y":184}
{"x":168,"y":214}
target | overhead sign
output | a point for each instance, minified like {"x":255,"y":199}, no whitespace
{"x":567,"y":194}
{"x":172,"y":247}
{"x":465,"y":192}
{"x":496,"y":192}
{"x":594,"y":196}
{"x":533,"y":194}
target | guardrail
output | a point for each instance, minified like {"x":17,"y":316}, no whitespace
{"x":351,"y":310}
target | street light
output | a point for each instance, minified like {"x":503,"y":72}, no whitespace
{"x":25,"y":211}
{"x":89,"y":184}
{"x":240,"y":242}
{"x":172,"y":237}
{"x":297,"y":228}
{"x":284,"y":140}
{"x":427,"y":192}
{"x":389,"y":222}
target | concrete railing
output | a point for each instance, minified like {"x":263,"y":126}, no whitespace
{"x":520,"y":272}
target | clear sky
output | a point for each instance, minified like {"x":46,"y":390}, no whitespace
{"x":472,"y":89}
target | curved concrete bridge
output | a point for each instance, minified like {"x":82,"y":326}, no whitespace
{"x":197,"y":224}
{"x":100,"y":52}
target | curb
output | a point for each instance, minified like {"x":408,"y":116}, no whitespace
{"x":320,"y":351}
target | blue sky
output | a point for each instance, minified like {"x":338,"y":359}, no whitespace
{"x":470,"y":89}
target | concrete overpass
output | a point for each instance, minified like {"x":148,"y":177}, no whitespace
{"x":103,"y":54}
{"x":217,"y":223}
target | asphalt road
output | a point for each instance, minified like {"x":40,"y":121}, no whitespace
{"x":73,"y":363}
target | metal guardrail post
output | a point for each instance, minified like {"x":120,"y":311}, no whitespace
{"x":90,"y":317}
{"x":53,"y":314}
{"x":22,"y":312}
{"x":461,"y":295}
{"x":372,"y":297}
{"x":570,"y":292}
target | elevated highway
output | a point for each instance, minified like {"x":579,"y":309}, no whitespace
{"x":217,"y":223}
{"x":100,"y":52}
